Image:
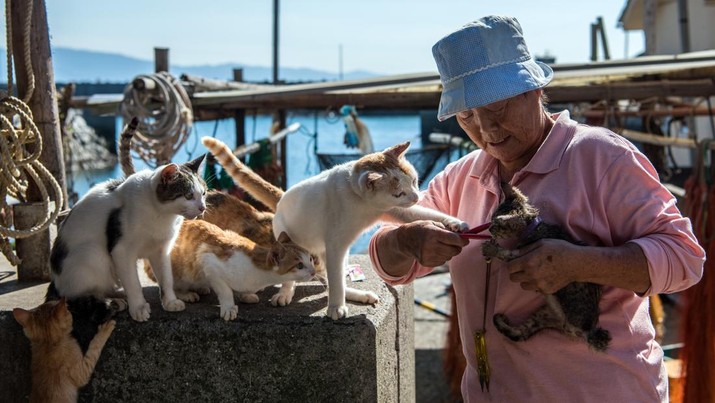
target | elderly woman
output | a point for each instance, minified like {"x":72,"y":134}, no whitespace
{"x":590,"y":181}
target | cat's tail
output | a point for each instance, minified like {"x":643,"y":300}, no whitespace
{"x":124,"y":148}
{"x":259,"y":188}
{"x":599,"y":338}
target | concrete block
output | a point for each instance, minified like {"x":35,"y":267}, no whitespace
{"x":269,"y":354}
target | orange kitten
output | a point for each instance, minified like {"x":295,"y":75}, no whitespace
{"x":59,"y":368}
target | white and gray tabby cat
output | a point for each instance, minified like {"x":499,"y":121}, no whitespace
{"x":232,"y":248}
{"x":572,"y":310}
{"x":120,"y":221}
{"x":327,"y":212}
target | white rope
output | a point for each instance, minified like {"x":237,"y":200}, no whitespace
{"x":18,"y":135}
{"x":165,"y":117}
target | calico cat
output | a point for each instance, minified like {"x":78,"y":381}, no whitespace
{"x":573,"y":310}
{"x":120,"y":221}
{"x":208,"y":256}
{"x":327,"y":212}
{"x":59,"y":368}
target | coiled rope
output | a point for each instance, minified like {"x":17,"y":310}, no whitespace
{"x":165,"y":117}
{"x":17,"y":131}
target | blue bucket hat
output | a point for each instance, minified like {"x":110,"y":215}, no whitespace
{"x":483,"y":62}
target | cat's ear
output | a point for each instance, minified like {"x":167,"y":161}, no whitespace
{"x":169,"y":172}
{"x":195,"y":164}
{"x":61,"y":306}
{"x":21,"y":316}
{"x":369,"y":179}
{"x":397,"y":151}
{"x":283,"y":237}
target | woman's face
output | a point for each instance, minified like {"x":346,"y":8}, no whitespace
{"x":510,"y":130}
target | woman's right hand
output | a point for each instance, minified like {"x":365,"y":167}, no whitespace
{"x":429,"y":242}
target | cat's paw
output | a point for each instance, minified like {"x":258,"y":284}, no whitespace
{"x":118,"y":304}
{"x":187,"y":296}
{"x":490,"y":248}
{"x":337,"y":311}
{"x":141,"y":312}
{"x":366,"y":297}
{"x":229,"y":312}
{"x":174,"y":305}
{"x":455,"y":225}
{"x":248,"y":298}
{"x":106,"y":328}
{"x":203,"y":291}
{"x":282,"y":297}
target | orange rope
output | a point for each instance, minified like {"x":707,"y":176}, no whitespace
{"x":697,"y":319}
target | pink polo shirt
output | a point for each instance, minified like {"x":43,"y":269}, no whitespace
{"x":600,"y":188}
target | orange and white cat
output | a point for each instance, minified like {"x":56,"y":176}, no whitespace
{"x":327,"y":212}
{"x":207,"y":256}
{"x":58,"y":366}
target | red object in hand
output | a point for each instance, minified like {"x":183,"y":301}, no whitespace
{"x":475,"y":233}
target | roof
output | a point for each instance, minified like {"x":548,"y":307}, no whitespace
{"x":688,"y":74}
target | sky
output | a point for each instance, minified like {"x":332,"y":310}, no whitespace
{"x":384,"y":37}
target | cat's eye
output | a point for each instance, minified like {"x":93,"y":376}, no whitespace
{"x":300,"y":266}
{"x":399,"y":194}
{"x":189,"y":196}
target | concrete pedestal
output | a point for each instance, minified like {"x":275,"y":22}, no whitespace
{"x":269,"y":354}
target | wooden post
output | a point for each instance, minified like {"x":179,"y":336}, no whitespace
{"x":239,"y":117}
{"x":594,"y":42}
{"x":684,"y":26}
{"x":283,"y":149}
{"x":34,"y":265}
{"x":161,"y":60}
{"x":35,"y":250}
{"x":650,"y":8}
{"x":604,"y":42}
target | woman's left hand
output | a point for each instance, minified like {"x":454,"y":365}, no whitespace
{"x":545,"y":266}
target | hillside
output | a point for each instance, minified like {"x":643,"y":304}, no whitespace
{"x":83,"y":66}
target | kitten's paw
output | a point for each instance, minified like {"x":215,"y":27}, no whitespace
{"x":248,"y":298}
{"x":366,"y":297}
{"x":203,"y":291}
{"x":229,"y":312}
{"x":107,"y":327}
{"x":282,"y":297}
{"x":337,"y":311}
{"x":141,"y":312}
{"x":187,"y":296}
{"x":174,"y":305}
{"x":490,"y":248}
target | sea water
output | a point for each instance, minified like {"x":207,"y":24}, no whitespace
{"x":322,"y":131}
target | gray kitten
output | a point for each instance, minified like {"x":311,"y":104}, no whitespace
{"x":572,"y":310}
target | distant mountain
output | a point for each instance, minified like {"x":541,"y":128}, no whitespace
{"x":84,"y":66}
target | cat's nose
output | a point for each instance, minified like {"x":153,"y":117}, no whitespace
{"x":202,"y":209}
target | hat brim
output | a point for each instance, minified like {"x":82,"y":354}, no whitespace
{"x":492,"y":85}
